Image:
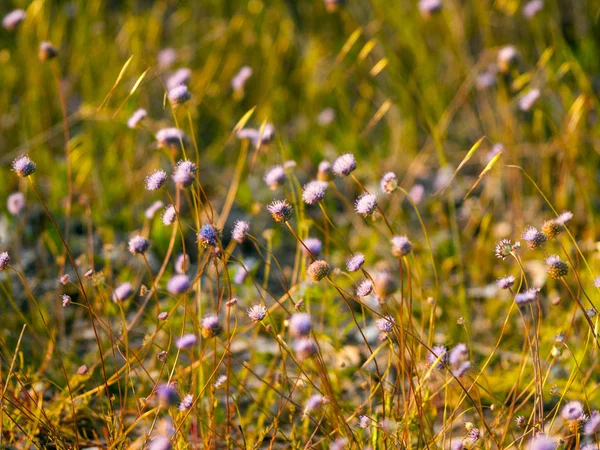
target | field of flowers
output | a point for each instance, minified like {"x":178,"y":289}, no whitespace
{"x":318,"y":224}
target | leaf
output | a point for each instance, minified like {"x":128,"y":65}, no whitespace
{"x":469,"y":155}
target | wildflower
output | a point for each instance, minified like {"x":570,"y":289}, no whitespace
{"x":166,"y":57}
{"x":89,"y":273}
{"x":47,"y":51}
{"x":304,"y":348}
{"x":13,"y":19}
{"x":534,"y":237}
{"x":210,"y":326}
{"x":472,"y":437}
{"x":300,"y":324}
{"x":162,"y":356}
{"x":461,"y":369}
{"x":66,"y":300}
{"x":532,"y":8}
{"x":383,"y":284}
{"x":138,"y":245}
{"x":122,"y":292}
{"x":4,"y":260}
{"x":552,"y":228}
{"x":355,"y":262}
{"x":564,"y":217}
{"x":385,"y":324}
{"x":438,"y":356}
{"x":592,"y":426}
{"x":258,"y":137}
{"x":318,"y":270}
{"x":507,"y":58}
{"x":326,"y":117}
{"x":520,"y":421}
{"x":179,"y":77}
{"x":64,"y":279}
{"x":314,"y":402}
{"x":364,"y":421}
{"x":182,"y":263}
{"x":389,"y":182}
{"x":364,"y":288}
{"x":505,"y":248}
{"x":240,"y":275}
{"x":527,"y":101}
{"x":485,"y":80}
{"x":178,"y":95}
{"x":172,"y":138}
{"x":280,"y":210}
{"x":156,"y":180}
{"x":178,"y":284}
{"x":257,"y":313}
{"x":401,"y":246}
{"x":239,"y":80}
{"x":458,"y":354}
{"x":83,"y":370}
{"x":274,"y":177}
{"x":339,"y":444}
{"x":555,"y":267}
{"x":136,"y":118}
{"x":167,"y":395}
{"x":365,"y":204}
{"x":152,"y":209}
{"x":344,"y":165}
{"x":324,"y":171}
{"x":186,"y":402}
{"x":527,"y":296}
{"x":313,"y":192}
{"x":541,"y":442}
{"x":208,"y":236}
{"x":169,"y":215}
{"x":429,"y":7}
{"x":184,"y":173}
{"x":240,"y":231}
{"x":185,"y":341}
{"x":572,"y":410}
{"x":163,"y":316}
{"x":506,"y":282}
{"x":220,"y":381}
{"x":15,"y":203}
{"x":313,"y":246}
{"x":23,"y":166}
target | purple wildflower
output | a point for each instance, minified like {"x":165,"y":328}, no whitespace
{"x":239,"y":80}
{"x":280,"y":210}
{"x":122,"y":292}
{"x":344,"y":165}
{"x":365,"y":204}
{"x":178,"y":95}
{"x":171,"y":138}
{"x":385,"y":324}
{"x":169,"y":215}
{"x":438,"y":356}
{"x":167,"y":395}
{"x":527,"y":296}
{"x":389,"y":182}
{"x":313,"y":245}
{"x":364,"y":288}
{"x":23,"y":166}
{"x":178,"y":284}
{"x":156,"y":180}
{"x":313,"y":192}
{"x":274,"y":177}
{"x":208,"y":236}
{"x":240,"y":231}
{"x":401,"y":246}
{"x":152,"y":209}
{"x":534,"y":237}
{"x":15,"y":203}
{"x":304,"y":348}
{"x":210,"y":326}
{"x":506,"y":282}
{"x":184,"y":173}
{"x":572,"y":410}
{"x":300,"y":324}
{"x":138,"y":245}
{"x":185,"y":341}
{"x":180,"y":76}
{"x":186,"y":402}
{"x":355,"y":262}
{"x":13,"y":19}
{"x":136,"y":118}
{"x":257,"y":312}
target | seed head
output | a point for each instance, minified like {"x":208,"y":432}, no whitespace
{"x":122,"y":292}
{"x":505,"y":247}
{"x":401,"y":246}
{"x":304,"y":348}
{"x":185,"y":341}
{"x":365,"y":204}
{"x":178,"y":284}
{"x":364,"y":288}
{"x":47,"y":51}
{"x":138,"y":245}
{"x":555,"y":267}
{"x":324,"y":171}
{"x":552,"y":228}
{"x":274,"y":177}
{"x":389,"y":182}
{"x":186,"y":402}
{"x":66,"y":300}
{"x":178,"y":95}
{"x":257,"y":312}
{"x":13,"y":19}
{"x":240,"y":231}
{"x":355,"y":262}
{"x":136,"y":118}
{"x":527,"y":296}
{"x":152,"y":209}
{"x":506,"y":282}
{"x":23,"y":166}
{"x":313,"y":245}
{"x":438,"y":356}
{"x":208,"y":236}
{"x":169,"y":215}
{"x":300,"y":324}
{"x":318,"y":270}
{"x":383,"y":284}
{"x":239,"y":80}
{"x":15,"y":203}
{"x":184,"y":173}
{"x":171,"y":138}
{"x":385,"y":324}
{"x":179,"y":77}
{"x":344,"y":165}
{"x":534,"y":237}
{"x":156,"y":180}
{"x":314,"y":192}
{"x":280,"y":210}
{"x":167,"y":395}
{"x":572,"y":410}
{"x":210,"y":326}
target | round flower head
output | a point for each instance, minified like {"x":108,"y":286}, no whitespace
{"x":383,"y":284}
{"x":429,"y":7}
{"x":389,"y":182}
{"x":326,"y":116}
{"x":355,"y":262}
{"x":527,"y":296}
{"x":47,"y":51}
{"x":572,"y":410}
{"x":182,"y":264}
{"x":23,"y":166}
{"x":208,"y":236}
{"x":239,"y":80}
{"x":304,"y":348}
{"x":314,"y":402}
{"x":184,"y":173}
{"x":178,"y":284}
{"x":438,"y":356}
{"x":274,"y":177}
{"x":324,"y":171}
{"x":401,"y":246}
{"x":313,"y":192}
{"x":318,"y":270}
{"x":240,"y":231}
{"x":527,"y":101}
{"x":210,"y":326}
{"x":257,"y":312}
{"x":166,"y":57}
{"x":180,"y":76}
{"x":13,"y":19}
{"x":506,"y":282}
{"x":258,"y":137}
{"x":185,"y":341}
{"x":364,"y":288}
{"x":592,"y":426}
{"x":532,"y":8}
{"x":220,"y":381}
{"x":552,"y":228}
{"x":122,"y":292}
{"x":169,"y":215}
{"x":163,"y":315}
{"x":365,"y":204}
{"x":138,"y":245}
{"x":300,"y":324}
{"x":564,"y":217}
{"x":280,"y":210}
{"x":15,"y":203}
{"x":178,"y":95}
{"x":505,"y":248}
{"x":66,"y":300}
{"x":167,"y":395}
{"x":186,"y":402}
{"x":160,"y":443}
{"x":385,"y":324}
{"x":344,"y":165}
{"x":64,"y":279}
{"x":555,"y":267}
{"x":534,"y":237}
{"x":4,"y":260}
{"x":458,"y":354}
{"x":170,"y":138}
{"x":156,"y":180}
{"x":136,"y":118}
{"x":507,"y":58}
{"x":313,"y":245}
{"x":152,"y":209}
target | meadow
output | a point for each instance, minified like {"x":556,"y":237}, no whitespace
{"x":299,"y":224}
